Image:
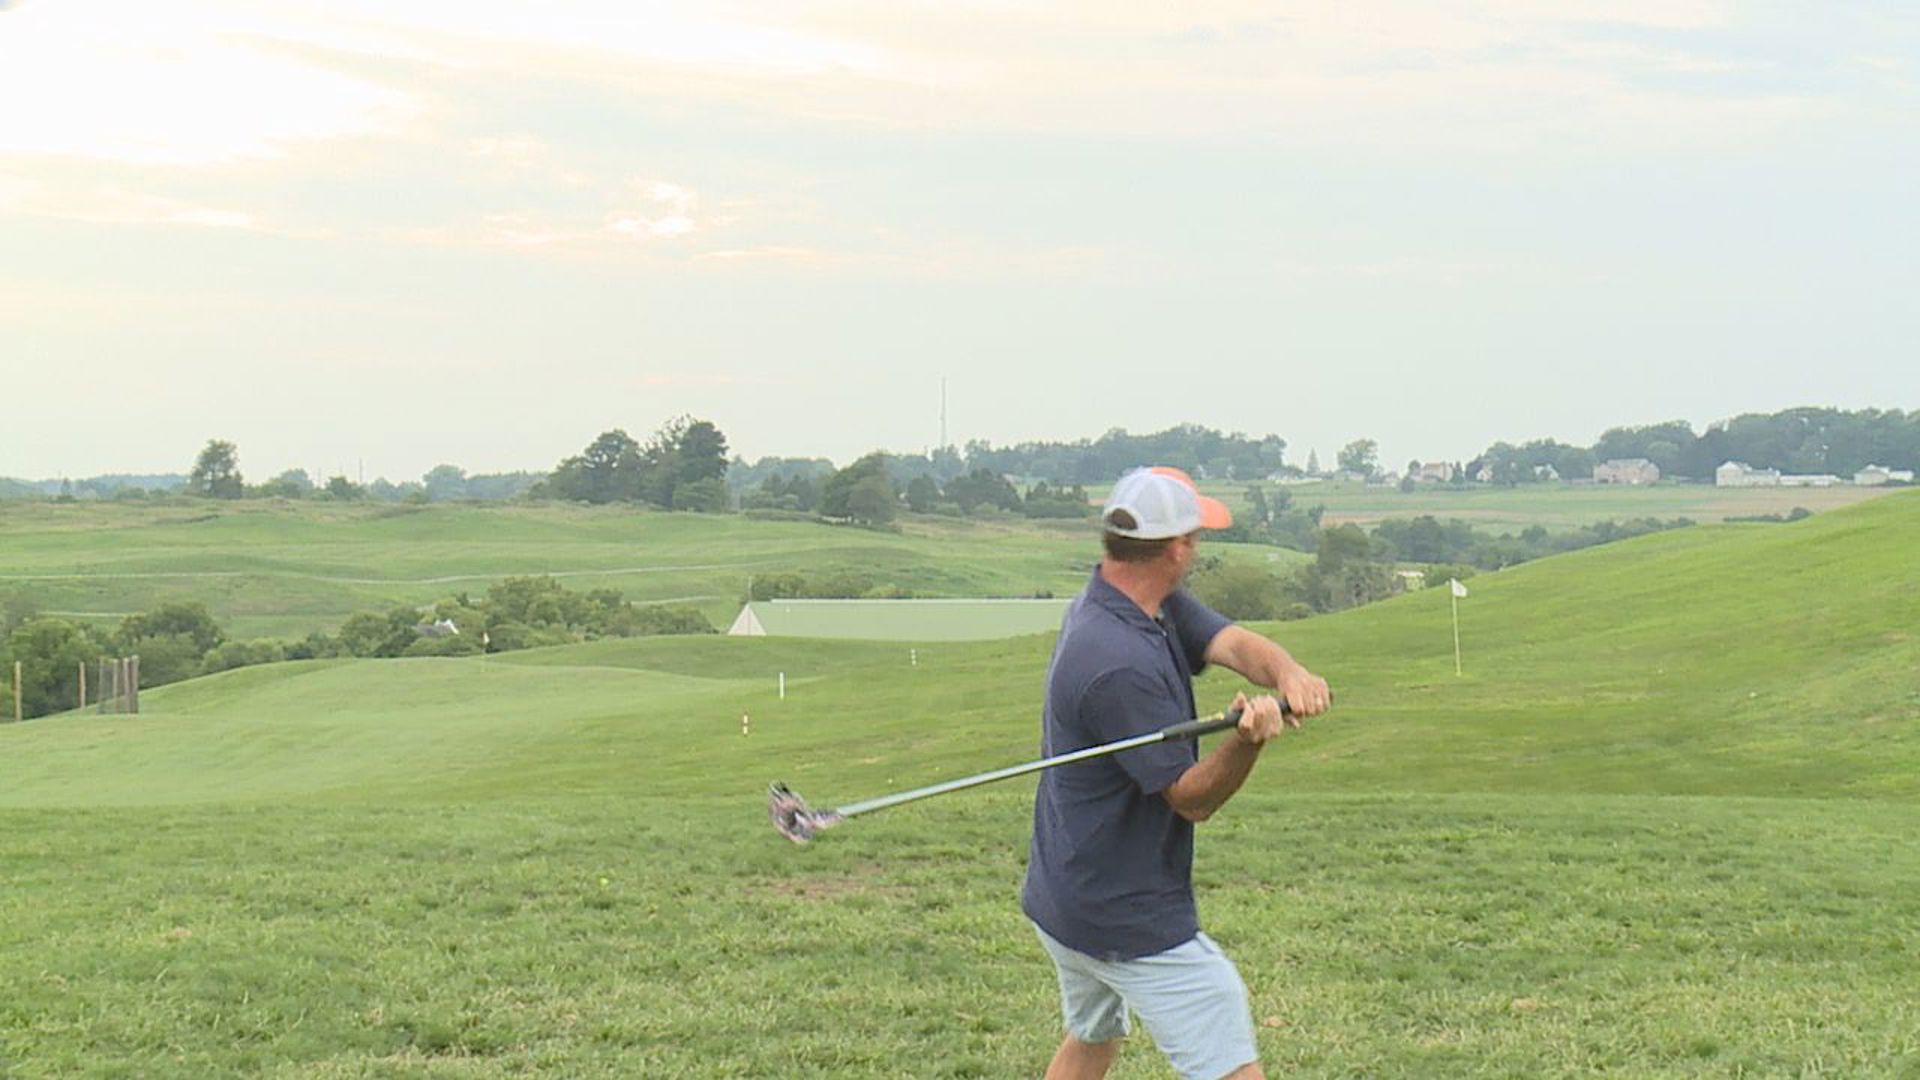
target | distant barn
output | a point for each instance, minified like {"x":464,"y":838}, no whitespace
{"x":899,"y":620}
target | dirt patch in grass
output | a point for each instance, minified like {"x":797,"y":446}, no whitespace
{"x":864,"y":880}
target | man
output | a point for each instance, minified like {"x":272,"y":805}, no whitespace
{"x":1109,"y":882}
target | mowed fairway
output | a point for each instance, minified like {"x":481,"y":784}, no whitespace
{"x":1558,"y":507}
{"x":278,"y":569}
{"x":1662,"y":827}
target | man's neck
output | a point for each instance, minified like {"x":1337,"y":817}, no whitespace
{"x":1146,"y":584}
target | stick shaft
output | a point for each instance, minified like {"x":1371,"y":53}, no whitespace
{"x":1011,"y":771}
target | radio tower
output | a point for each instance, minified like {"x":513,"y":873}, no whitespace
{"x":943,"y":412}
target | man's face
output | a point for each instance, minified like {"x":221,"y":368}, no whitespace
{"x":1182,"y":552}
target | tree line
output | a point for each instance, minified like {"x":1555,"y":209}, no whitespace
{"x":684,"y":465}
{"x":177,"y":641}
{"x":1806,"y":440}
{"x":1352,"y":566}
{"x":216,"y":475}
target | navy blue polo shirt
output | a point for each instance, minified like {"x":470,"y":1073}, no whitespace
{"x":1111,"y":869}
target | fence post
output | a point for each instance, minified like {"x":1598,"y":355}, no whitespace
{"x":83,"y":686}
{"x":17,"y":714}
{"x":133,"y":683}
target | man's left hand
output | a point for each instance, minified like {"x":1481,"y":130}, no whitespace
{"x":1305,"y":693}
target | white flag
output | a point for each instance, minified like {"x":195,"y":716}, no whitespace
{"x":1458,"y":589}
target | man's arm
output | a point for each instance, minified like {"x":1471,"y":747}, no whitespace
{"x":1265,"y":663}
{"x":1208,"y":785}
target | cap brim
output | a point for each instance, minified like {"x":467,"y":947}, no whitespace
{"x":1214,"y":514}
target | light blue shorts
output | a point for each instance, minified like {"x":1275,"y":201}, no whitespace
{"x":1190,"y":998}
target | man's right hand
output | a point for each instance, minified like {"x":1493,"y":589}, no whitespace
{"x":1261,"y":718}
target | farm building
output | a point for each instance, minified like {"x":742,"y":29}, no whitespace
{"x":1876,"y":475}
{"x":899,"y":620}
{"x":1626,"y":471}
{"x":1740,"y":474}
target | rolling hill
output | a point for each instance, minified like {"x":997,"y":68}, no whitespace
{"x":1661,"y":827}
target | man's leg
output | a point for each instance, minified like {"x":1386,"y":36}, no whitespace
{"x":1076,"y":1060}
{"x":1194,"y":1005}
{"x":1093,"y":1013}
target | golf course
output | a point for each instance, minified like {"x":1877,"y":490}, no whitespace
{"x":1661,"y":824}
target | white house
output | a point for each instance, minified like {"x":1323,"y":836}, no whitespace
{"x":1626,"y":471}
{"x":1876,"y":475}
{"x":1810,"y":480}
{"x":1740,"y":474}
{"x":1436,"y":472}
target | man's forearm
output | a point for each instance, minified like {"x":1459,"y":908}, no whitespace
{"x":1270,"y":662}
{"x":1207,"y":786}
{"x":1262,"y":661}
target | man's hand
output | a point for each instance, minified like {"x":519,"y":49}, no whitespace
{"x":1305,"y":693}
{"x":1261,"y":718}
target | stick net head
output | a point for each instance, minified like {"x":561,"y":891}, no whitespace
{"x":793,"y":818}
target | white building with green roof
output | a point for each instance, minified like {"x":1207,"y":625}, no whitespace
{"x":900,"y":620}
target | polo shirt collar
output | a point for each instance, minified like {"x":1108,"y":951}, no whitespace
{"x":1102,"y":592}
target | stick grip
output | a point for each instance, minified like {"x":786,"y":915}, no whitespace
{"x":1206,"y":725}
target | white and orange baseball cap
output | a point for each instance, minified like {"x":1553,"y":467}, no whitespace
{"x":1161,"y":502}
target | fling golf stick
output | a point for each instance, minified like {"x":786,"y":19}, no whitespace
{"x":798,"y":822}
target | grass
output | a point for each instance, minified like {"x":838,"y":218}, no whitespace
{"x":281,"y":569}
{"x":1662,"y":827}
{"x":1558,"y":507}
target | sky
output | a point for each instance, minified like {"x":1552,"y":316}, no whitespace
{"x":375,"y":236}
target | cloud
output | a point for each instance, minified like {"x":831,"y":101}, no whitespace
{"x":109,"y":205}
{"x":162,"y":84}
{"x":649,"y":211}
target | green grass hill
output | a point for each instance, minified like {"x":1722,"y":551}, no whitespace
{"x":282,"y":569}
{"x":1661,"y":827}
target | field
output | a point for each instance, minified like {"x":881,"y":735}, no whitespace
{"x":279,"y":569}
{"x":1662,"y":827}
{"x":1558,"y":507}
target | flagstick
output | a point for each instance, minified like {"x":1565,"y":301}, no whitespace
{"x":1455,"y":597}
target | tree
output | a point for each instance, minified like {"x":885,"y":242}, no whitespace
{"x":292,"y":484}
{"x":342,"y":488}
{"x":445,"y":482}
{"x":607,"y":470}
{"x":860,"y":492}
{"x":707,"y":495}
{"x":188,"y":620}
{"x":172,"y":641}
{"x":216,"y":472}
{"x":871,"y":501}
{"x":1259,"y":514}
{"x":982,"y":487}
{"x":366,"y":634}
{"x":1313,"y":463}
{"x":922,"y":493}
{"x":701,"y":453}
{"x":1238,"y":590}
{"x":50,"y":652}
{"x":1359,"y":456}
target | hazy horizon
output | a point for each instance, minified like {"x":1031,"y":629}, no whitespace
{"x":358,"y":469}
{"x":418,"y":232}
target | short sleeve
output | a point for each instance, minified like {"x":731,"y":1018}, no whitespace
{"x":1124,"y":703}
{"x":1197,"y":625}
